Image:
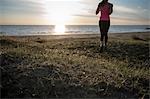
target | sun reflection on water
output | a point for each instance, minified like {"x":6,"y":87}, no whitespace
{"x":60,"y":29}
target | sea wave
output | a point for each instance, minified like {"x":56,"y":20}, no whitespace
{"x":70,"y":29}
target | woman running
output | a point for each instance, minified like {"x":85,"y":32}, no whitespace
{"x":106,"y":9}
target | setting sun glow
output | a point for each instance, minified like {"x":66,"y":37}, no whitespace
{"x":58,"y":13}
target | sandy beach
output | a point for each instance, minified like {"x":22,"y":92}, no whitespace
{"x":72,"y":66}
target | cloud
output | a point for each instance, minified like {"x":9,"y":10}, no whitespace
{"x":137,"y":13}
{"x":127,"y":21}
{"x":86,"y":15}
{"x":124,"y":9}
{"x":21,"y":7}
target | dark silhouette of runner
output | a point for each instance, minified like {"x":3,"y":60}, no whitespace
{"x":106,"y":10}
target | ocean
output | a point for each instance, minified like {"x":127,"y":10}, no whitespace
{"x":23,"y":30}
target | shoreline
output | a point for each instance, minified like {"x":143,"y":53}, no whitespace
{"x":73,"y":34}
{"x":131,"y":35}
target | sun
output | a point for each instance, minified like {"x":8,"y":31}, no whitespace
{"x":58,"y":12}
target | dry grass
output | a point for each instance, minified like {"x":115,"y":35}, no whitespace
{"x":73,"y":68}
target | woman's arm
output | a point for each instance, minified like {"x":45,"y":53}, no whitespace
{"x":111,"y":9}
{"x":98,"y":9}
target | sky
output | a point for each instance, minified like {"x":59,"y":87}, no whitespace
{"x":71,"y":12}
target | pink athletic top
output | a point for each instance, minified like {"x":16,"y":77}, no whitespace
{"x":105,"y":12}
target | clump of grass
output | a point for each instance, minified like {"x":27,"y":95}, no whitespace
{"x":5,"y":42}
{"x":138,"y":38}
{"x":39,"y":40}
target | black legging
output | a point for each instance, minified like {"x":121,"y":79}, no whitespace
{"x":104,"y":27}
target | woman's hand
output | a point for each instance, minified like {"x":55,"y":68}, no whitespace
{"x":97,"y":10}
